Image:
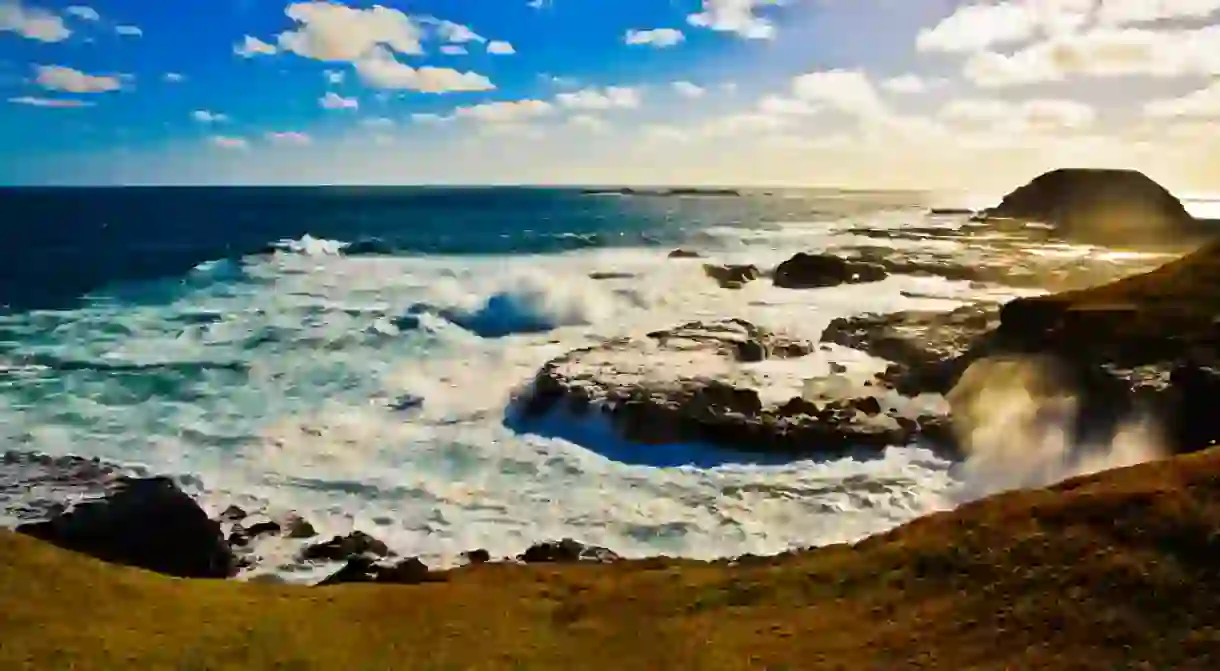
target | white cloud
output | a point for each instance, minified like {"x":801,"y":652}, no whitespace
{"x":660,"y":38}
{"x":63,"y":103}
{"x":593,"y":99}
{"x":454,"y":50}
{"x":689,"y":90}
{"x":206,"y":116}
{"x":735,"y":16}
{"x":174,"y":77}
{"x":506,"y":112}
{"x":905,"y":84}
{"x":430,"y":118}
{"x":1102,"y":52}
{"x":456,"y":32}
{"x":664,"y":133}
{"x":333,"y":32}
{"x":334,"y":76}
{"x":848,"y":91}
{"x":380,"y":69}
{"x":1043,"y":115}
{"x":747,"y":123}
{"x":83,"y":12}
{"x":500,"y":48}
{"x":60,"y":78}
{"x":32,"y":23}
{"x":1125,"y":12}
{"x":129,"y":31}
{"x":288,"y":138}
{"x":227,"y":142}
{"x":334,"y":101}
{"x":588,"y":122}
{"x":780,"y":106}
{"x":979,"y":26}
{"x":251,"y":46}
{"x":1201,"y":104}
{"x":377,"y":122}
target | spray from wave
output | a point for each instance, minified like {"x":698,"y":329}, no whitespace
{"x":1027,"y":422}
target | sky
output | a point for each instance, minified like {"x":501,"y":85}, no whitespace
{"x":961,"y":95}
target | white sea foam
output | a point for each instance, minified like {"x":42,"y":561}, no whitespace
{"x":282,"y":387}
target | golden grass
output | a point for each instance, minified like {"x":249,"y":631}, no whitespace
{"x":1108,"y":572}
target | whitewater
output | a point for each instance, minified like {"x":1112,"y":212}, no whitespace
{"x":370,"y":391}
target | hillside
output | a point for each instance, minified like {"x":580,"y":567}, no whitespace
{"x":1111,"y":571}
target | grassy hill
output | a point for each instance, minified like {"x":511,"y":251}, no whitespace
{"x":1112,"y":571}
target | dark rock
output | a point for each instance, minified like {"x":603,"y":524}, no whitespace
{"x":949,"y":211}
{"x":266,"y":528}
{"x":145,"y":522}
{"x":341,"y":548}
{"x":359,"y":568}
{"x":837,"y":368}
{"x":731,"y":276}
{"x":811,"y":271}
{"x":610,"y":275}
{"x":566,"y":551}
{"x":1107,"y":207}
{"x":299,"y":527}
{"x":479,"y":556}
{"x":233,"y":514}
{"x":684,"y":254}
{"x":868,"y":405}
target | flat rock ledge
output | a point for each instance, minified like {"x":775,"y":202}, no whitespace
{"x":692,"y":384}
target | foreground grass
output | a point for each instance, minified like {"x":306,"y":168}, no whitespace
{"x":1109,"y":572}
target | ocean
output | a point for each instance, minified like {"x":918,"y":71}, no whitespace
{"x":351,"y":354}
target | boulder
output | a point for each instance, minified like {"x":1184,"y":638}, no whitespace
{"x":567,"y":551}
{"x":811,"y":271}
{"x":342,"y":548}
{"x":732,"y":276}
{"x":1107,"y":207}
{"x":145,"y":522}
{"x":365,"y":569}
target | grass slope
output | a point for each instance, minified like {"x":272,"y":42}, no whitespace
{"x":1107,"y":572}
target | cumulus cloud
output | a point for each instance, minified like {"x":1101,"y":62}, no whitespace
{"x":60,"y":78}
{"x":333,"y":32}
{"x":905,"y":84}
{"x":979,"y":26}
{"x":32,"y":23}
{"x":1125,"y":12}
{"x":455,"y":32}
{"x":689,"y":90}
{"x":1201,"y":104}
{"x":251,"y":46}
{"x":735,"y":16}
{"x":660,"y":38}
{"x":62,"y":103}
{"x":377,"y":122}
{"x":207,"y":116}
{"x":500,"y":48}
{"x":849,"y":91}
{"x":380,"y":69}
{"x":334,"y":101}
{"x":174,"y":77}
{"x":291,"y":138}
{"x":1102,"y":52}
{"x":506,"y":112}
{"x":593,"y":99}
{"x":128,"y":31}
{"x":782,"y":106}
{"x":1040,"y":115}
{"x":228,"y":142}
{"x":751,"y":123}
{"x":83,"y":12}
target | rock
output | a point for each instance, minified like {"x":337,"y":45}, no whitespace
{"x":35,"y":486}
{"x":479,"y":556}
{"x":342,"y":548}
{"x":1107,"y":207}
{"x":629,"y":382}
{"x":810,"y":271}
{"x":266,"y":528}
{"x":299,"y":527}
{"x":566,"y":551}
{"x":233,"y":514}
{"x":610,"y":275}
{"x":684,"y":254}
{"x":731,"y":276}
{"x":364,"y":569}
{"x":144,"y":522}
{"x":949,"y":211}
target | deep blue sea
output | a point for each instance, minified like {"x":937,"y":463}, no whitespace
{"x":349,"y":354}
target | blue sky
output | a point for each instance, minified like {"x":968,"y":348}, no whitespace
{"x":932,"y":93}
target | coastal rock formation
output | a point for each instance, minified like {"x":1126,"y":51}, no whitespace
{"x":689,"y":384}
{"x":144,"y":522}
{"x":1107,"y":207}
{"x":362,"y":568}
{"x":732,"y":276}
{"x":567,"y":551}
{"x":343,"y":548}
{"x":812,"y":271}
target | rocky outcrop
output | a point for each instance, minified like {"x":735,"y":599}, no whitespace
{"x":145,"y":522}
{"x":732,"y":276}
{"x":365,"y":569}
{"x":343,"y":548}
{"x":1107,"y":207}
{"x":812,"y":271}
{"x":688,"y":384}
{"x":567,"y":551}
